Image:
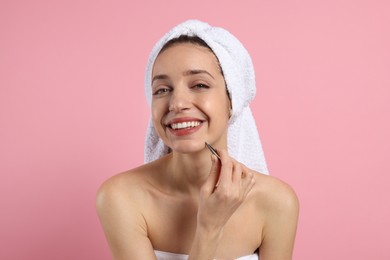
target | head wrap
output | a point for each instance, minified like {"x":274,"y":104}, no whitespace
{"x":243,"y":139}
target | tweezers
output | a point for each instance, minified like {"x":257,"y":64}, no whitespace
{"x":213,"y":151}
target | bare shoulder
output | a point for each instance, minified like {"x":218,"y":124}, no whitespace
{"x":276,"y":200}
{"x":275,"y":194}
{"x":121,"y":188}
{"x":122,"y":195}
{"x":280,"y":205}
{"x":119,"y":207}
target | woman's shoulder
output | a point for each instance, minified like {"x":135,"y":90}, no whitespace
{"x":274,"y":195}
{"x":125,"y":187}
{"x":121,"y":205}
{"x":278,"y":205}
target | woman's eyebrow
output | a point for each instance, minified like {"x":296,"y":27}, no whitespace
{"x":161,"y":76}
{"x":185,"y":73}
{"x":194,"y":72}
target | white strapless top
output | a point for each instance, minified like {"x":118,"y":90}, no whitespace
{"x":172,"y":256}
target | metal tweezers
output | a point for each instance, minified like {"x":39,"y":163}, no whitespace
{"x":213,"y":151}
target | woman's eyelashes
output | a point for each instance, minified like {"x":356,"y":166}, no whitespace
{"x":165,"y":90}
{"x":161,"y":91}
{"x":200,"y":86}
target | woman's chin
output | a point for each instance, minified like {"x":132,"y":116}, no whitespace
{"x":187,"y":146}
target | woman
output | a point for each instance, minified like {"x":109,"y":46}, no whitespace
{"x":186,"y":202}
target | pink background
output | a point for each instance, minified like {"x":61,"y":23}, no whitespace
{"x":73,"y":113}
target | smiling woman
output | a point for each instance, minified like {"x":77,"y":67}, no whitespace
{"x":188,"y":94}
{"x":186,"y":203}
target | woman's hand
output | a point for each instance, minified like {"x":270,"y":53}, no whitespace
{"x":224,"y":191}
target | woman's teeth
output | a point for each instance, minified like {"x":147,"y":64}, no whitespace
{"x":185,"y":125}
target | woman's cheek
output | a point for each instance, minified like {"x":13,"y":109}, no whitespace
{"x":157,"y":119}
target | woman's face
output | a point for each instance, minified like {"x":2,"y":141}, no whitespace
{"x":189,"y":103}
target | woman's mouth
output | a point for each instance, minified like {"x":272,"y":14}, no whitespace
{"x":183,"y":125}
{"x":180,"y":127}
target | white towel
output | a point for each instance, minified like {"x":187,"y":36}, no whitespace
{"x":243,"y":139}
{"x":161,"y":255}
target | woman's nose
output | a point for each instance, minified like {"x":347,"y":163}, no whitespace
{"x":179,"y":100}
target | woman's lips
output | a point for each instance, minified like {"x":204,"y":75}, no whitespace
{"x":184,"y":126}
{"x":181,"y":125}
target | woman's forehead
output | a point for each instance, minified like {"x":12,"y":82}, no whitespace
{"x":185,"y":56}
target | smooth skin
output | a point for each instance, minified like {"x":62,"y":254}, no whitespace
{"x":172,"y":204}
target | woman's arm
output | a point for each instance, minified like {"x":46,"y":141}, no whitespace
{"x":282,"y":208}
{"x":122,"y":222}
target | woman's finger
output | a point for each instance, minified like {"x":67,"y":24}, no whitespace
{"x":237,"y":172}
{"x":248,"y":181}
{"x":225,"y":178}
{"x":213,"y":177}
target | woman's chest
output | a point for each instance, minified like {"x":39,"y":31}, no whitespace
{"x":172,"y":225}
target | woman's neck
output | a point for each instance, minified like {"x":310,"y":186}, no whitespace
{"x":189,"y":171}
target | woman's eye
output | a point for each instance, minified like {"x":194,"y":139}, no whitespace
{"x":161,"y":91}
{"x":200,"y":86}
